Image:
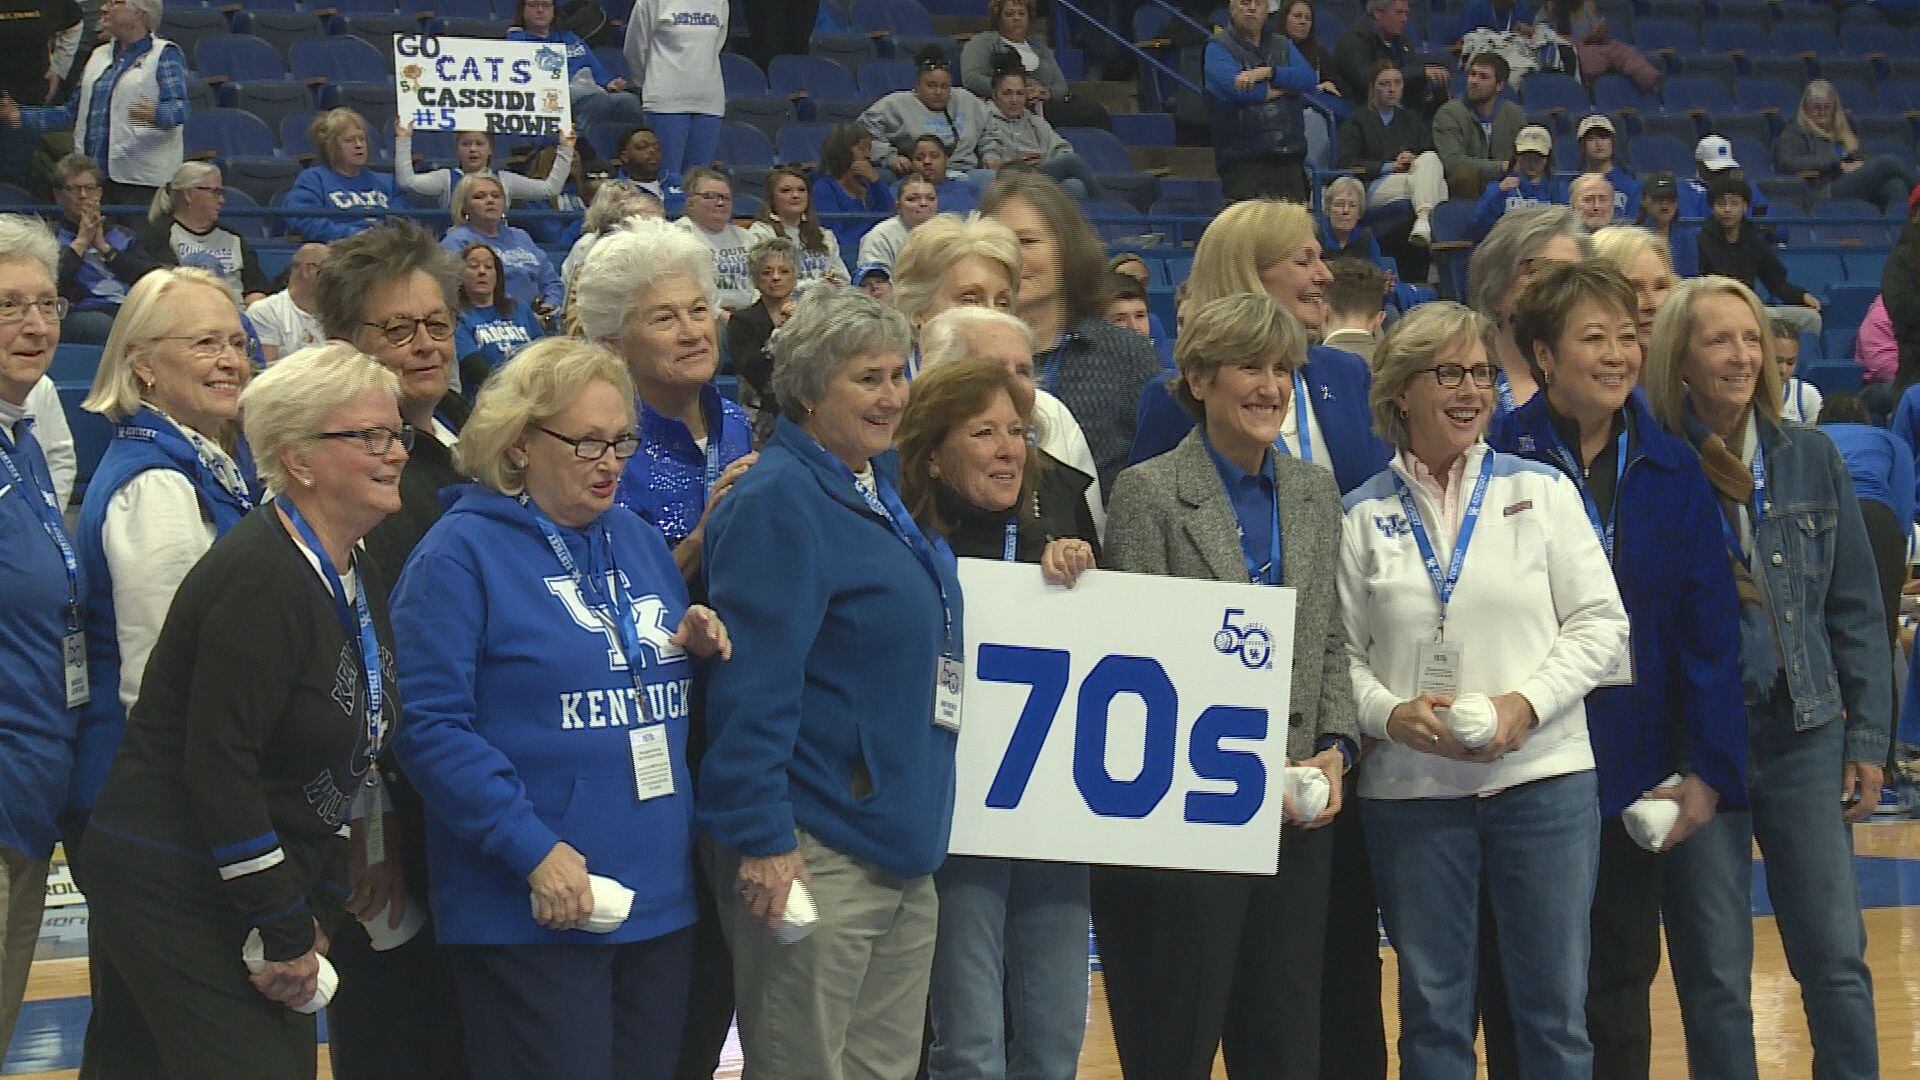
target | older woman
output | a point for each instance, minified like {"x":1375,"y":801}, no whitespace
{"x":969,"y":473}
{"x":257,"y":735}
{"x":1816,"y":667}
{"x":473,"y":153}
{"x":1642,"y":257}
{"x":1008,"y":44}
{"x":1341,"y":234}
{"x":40,"y":618}
{"x":99,"y":260}
{"x":340,"y":180}
{"x":830,"y":759}
{"x":849,"y":186}
{"x":772,"y":263}
{"x":531,"y":613}
{"x":1671,"y":707}
{"x":709,"y":217}
{"x":480,"y":217}
{"x":1225,"y":505}
{"x":789,"y":214}
{"x":130,"y":110}
{"x":1820,"y":145}
{"x":1521,"y":245}
{"x":185,"y":230}
{"x":492,"y":325}
{"x":614,"y":204}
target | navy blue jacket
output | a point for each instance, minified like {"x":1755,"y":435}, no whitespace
{"x":1685,"y":712}
{"x":1338,"y":381}
{"x":1245,"y":123}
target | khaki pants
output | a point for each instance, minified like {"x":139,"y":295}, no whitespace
{"x":23,"y":892}
{"x":848,"y":1002}
{"x":1425,"y":184}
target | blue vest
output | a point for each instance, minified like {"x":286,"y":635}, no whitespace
{"x":1273,"y":128}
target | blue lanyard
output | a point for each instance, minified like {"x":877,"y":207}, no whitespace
{"x":1273,"y":574}
{"x":1012,"y":542}
{"x":1445,"y":585}
{"x":891,"y":510}
{"x":618,"y":598}
{"x":42,"y":499}
{"x":1301,"y":436}
{"x":1571,"y":463}
{"x":1503,"y":392}
{"x":359,"y":613}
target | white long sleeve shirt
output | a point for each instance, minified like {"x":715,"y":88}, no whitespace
{"x":673,"y":50}
{"x":55,"y":437}
{"x":153,"y":534}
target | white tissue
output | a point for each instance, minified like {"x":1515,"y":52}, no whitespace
{"x":1649,"y":821}
{"x":1472,"y":720}
{"x":1309,"y":790}
{"x":254,"y":954}
{"x":612,"y":903}
{"x":797,"y":920}
{"x":384,"y":937}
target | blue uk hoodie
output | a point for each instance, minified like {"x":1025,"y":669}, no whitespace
{"x":1495,"y":202}
{"x":494,"y":334}
{"x":518,"y":713}
{"x":321,"y":188}
{"x":530,"y":274}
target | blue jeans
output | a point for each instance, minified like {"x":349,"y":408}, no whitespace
{"x":687,"y":140}
{"x":1074,"y":175}
{"x":1706,"y":904}
{"x":597,"y":106}
{"x":1540,"y":846}
{"x":1883,"y":180}
{"x":1018,"y":924}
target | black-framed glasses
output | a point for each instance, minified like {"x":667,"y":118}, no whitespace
{"x":592,"y":448}
{"x":401,"y":331}
{"x":13,"y":309}
{"x":1450,"y":376}
{"x":376,"y":441}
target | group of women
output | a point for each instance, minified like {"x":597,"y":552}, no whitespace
{"x":657,"y":724}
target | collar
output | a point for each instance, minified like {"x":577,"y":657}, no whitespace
{"x":133,"y":51}
{"x":1386,"y":115}
{"x":1493,"y":108}
{"x":653,"y":421}
{"x":1569,"y":431}
{"x":1234,"y":475}
{"x":827,"y":469}
{"x":10,"y":416}
{"x":1531,"y":423}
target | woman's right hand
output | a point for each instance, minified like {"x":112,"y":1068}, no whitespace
{"x":402,"y":127}
{"x":562,"y":894}
{"x":764,"y":882}
{"x":1414,"y":725}
{"x":1065,"y":559}
{"x":289,"y":982}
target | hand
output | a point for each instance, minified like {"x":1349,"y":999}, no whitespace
{"x":1329,"y":762}
{"x":991,"y":161}
{"x":1811,"y":301}
{"x":1031,"y":157}
{"x":1328,"y":88}
{"x":616,"y":84}
{"x":1508,"y":183}
{"x":1414,"y":726}
{"x":1064,"y":559}
{"x":900,"y":165}
{"x":784,"y":312}
{"x":1847,"y":165}
{"x":376,"y":888}
{"x":1438,"y":75}
{"x":864,"y":171}
{"x":567,"y":140}
{"x":1514,"y":720}
{"x":402,"y":126}
{"x":1860,"y":789}
{"x":563,"y":896}
{"x":9,"y":111}
{"x":142,"y":112}
{"x":289,"y":982}
{"x":703,"y":634}
{"x":1697,"y":804}
{"x":1403,"y":161}
{"x":1246,"y":79}
{"x":1038,"y":93}
{"x":764,"y":882}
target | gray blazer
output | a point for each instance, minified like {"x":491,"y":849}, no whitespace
{"x":1170,"y":516}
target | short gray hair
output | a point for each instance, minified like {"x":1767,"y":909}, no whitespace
{"x":369,"y":260}
{"x":285,"y":405}
{"x":143,"y":318}
{"x":1348,"y":184}
{"x":150,"y":8}
{"x":773,"y":247}
{"x":614,"y":202}
{"x":831,"y":326}
{"x":167,"y":198}
{"x":1495,"y":264}
{"x":539,"y":382}
{"x":74,"y":164}
{"x":946,"y":336}
{"x":28,"y":239}
{"x":625,"y":264}
{"x":1413,"y":345}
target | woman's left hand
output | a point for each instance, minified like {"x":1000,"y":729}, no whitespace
{"x":1064,"y":560}
{"x":703,"y":634}
{"x":1860,"y":789}
{"x":376,"y":888}
{"x":1334,"y":766}
{"x":1515,"y":720}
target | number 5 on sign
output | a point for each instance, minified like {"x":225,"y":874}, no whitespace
{"x":1138,"y":721}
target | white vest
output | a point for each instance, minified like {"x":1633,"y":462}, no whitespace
{"x":146,"y":156}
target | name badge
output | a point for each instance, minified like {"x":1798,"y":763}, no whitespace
{"x":1438,"y":665}
{"x":947,"y":691}
{"x":652,"y":761}
{"x":73,"y":655}
{"x":1621,"y":673}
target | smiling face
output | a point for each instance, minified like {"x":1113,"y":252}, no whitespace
{"x":1244,"y":401}
{"x":1299,"y":282}
{"x":710,"y":203}
{"x":1441,"y":422}
{"x":670,"y":341}
{"x":1652,"y":279}
{"x":774,"y":277}
{"x":1595,"y":364}
{"x":788,"y":194}
{"x":26,"y":347}
{"x":1343,"y":211}
{"x":352,"y":485}
{"x":479,"y":272}
{"x":1039,"y":251}
{"x":200,"y":391}
{"x":919,"y":201}
{"x":571,"y":490}
{"x":486,"y":206}
{"x":857,"y":416}
{"x":1723,"y":355}
{"x":423,"y":364}
{"x":972,"y":281}
{"x":983,"y":458}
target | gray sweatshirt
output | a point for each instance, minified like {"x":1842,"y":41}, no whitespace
{"x":1006,"y":138}
{"x":899,"y":118}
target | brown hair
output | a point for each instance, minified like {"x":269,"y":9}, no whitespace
{"x":1083,"y":258}
{"x":1358,"y":287}
{"x":499,"y":298}
{"x":1541,"y":311}
{"x":945,"y":396}
{"x":811,"y":238}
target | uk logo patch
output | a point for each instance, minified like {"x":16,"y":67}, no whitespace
{"x":1392,"y":526}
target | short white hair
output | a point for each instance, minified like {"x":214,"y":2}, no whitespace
{"x":949,"y":335}
{"x":286,"y":404}
{"x":150,"y":8}
{"x":626,"y":263}
{"x":28,"y":239}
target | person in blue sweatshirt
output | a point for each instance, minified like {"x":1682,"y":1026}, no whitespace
{"x":339,"y":181}
{"x":492,"y":325}
{"x":1597,"y":155}
{"x":601,"y":96}
{"x":480,"y":217}
{"x":1528,"y":181}
{"x":831,"y":747}
{"x":547,"y":658}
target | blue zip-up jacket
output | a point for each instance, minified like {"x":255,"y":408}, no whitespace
{"x":1684,"y":712}
{"x":495,"y":335}
{"x":1360,"y":244}
{"x":1906,"y":427}
{"x":836,"y":630}
{"x":146,"y":440}
{"x":529,"y":273}
{"x":518,"y":713}
{"x":319,"y":187}
{"x":1338,"y":382}
{"x":1495,"y":202}
{"x":36,"y":727}
{"x":666,"y":482}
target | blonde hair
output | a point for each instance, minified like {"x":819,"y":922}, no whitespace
{"x":167,"y":198}
{"x":1840,"y":131}
{"x":1665,"y":374}
{"x":937,"y":246}
{"x":1232,"y":328}
{"x":329,"y":127}
{"x":539,"y":382}
{"x":1247,"y":238}
{"x":1621,"y":244}
{"x":143,"y":318}
{"x":463,"y":191}
{"x":1414,"y":344}
{"x":285,"y":405}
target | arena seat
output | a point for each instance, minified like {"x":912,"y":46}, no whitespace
{"x":238,"y":58}
{"x":228,"y":133}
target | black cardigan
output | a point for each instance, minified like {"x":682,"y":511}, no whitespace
{"x":1365,"y":143}
{"x":1061,"y":497}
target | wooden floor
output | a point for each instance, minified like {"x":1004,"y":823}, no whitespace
{"x":1893,"y":935}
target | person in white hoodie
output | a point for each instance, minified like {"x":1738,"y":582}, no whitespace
{"x":1480,"y":611}
{"x":673,"y":50}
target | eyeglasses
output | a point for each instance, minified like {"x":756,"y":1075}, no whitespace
{"x":13,"y":309}
{"x":402,"y":330}
{"x":208,"y":190}
{"x":376,"y":441}
{"x":1450,"y":376}
{"x":212,"y":346}
{"x":81,"y":189}
{"x":713,"y":196}
{"x":593,"y":449}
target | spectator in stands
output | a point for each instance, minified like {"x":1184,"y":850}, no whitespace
{"x":849,"y":186}
{"x":1799,"y":400}
{"x":493,"y":649}
{"x":919,"y":202}
{"x":614,"y":204}
{"x":1591,"y":196}
{"x":1133,"y":266}
{"x":639,"y":161}
{"x":480,"y":217}
{"x":1599,"y":52}
{"x":340,"y":180}
{"x":1659,"y":215}
{"x":1900,"y":292}
{"x":598,"y":96}
{"x":827,"y":708}
{"x":1731,"y":245}
{"x":1474,"y":136}
{"x":1528,"y":181}
{"x":1714,"y":157}
{"x":285,"y":321}
{"x":1392,"y":148}
{"x":1254,"y":80}
{"x":673,"y":48}
{"x":130,"y":111}
{"x":958,"y":192}
{"x":1818,"y":678}
{"x":185,"y":230}
{"x":99,"y":261}
{"x":1821,"y":146}
{"x":1356,"y":306}
{"x":772,"y":262}
{"x":1881,"y":469}
{"x":1503,"y":16}
{"x":260,"y":656}
{"x":875,"y":281}
{"x":492,"y":326}
{"x":1523,"y":244}
{"x":1127,"y":304}
{"x":933,"y":106}
{"x":1297,"y":23}
{"x":1641,"y":257}
{"x":1341,"y":234}
{"x":789,"y":213}
{"x":576,"y":194}
{"x":1017,"y":137}
{"x":1596,"y":138}
{"x":473,"y":153}
{"x":710,"y":217}
{"x":1381,"y":34}
{"x":1874,"y":348}
{"x":29,"y":30}
{"x":1097,"y":370}
{"x":39,"y":717}
{"x":1006,"y":45}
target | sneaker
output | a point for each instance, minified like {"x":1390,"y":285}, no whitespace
{"x":1422,"y":232}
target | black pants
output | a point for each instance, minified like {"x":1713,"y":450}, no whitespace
{"x":1353,"y":1033}
{"x":1198,"y":962}
{"x":1077,"y":112}
{"x":1265,"y":178}
{"x":779,"y":26}
{"x":710,"y":993}
{"x":397,"y":1012}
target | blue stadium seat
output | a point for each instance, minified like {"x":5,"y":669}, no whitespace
{"x":1754,"y":156}
{"x":1860,"y":39}
{"x":281,"y":29}
{"x":746,"y":148}
{"x":1791,"y":70}
{"x":1900,"y":96}
{"x":1855,"y":96}
{"x":1813,"y":267}
{"x":1692,"y":93}
{"x":1865,"y":15}
{"x":1653,"y":153}
{"x":1672,"y":125}
{"x":1744,"y":38}
{"x":462,"y":9}
{"x":1756,"y":126}
{"x":604,"y":137}
{"x":91,"y":433}
{"x":764,"y":111}
{"x":1443,"y":29}
{"x":239,"y":58}
{"x":612,"y":58}
{"x":340,"y":59}
{"x":812,"y":76}
{"x":741,"y":75}
{"x":1723,"y":68}
{"x":1615,"y":94}
{"x":272,"y":102}
{"x":1896,"y":130}
{"x":362,"y":7}
{"x":1551,"y":90}
{"x":377,"y":30}
{"x":253,"y":228}
{"x":799,"y":144}
{"x":1804,"y":37}
{"x":228,"y":133}
{"x":1144,"y":128}
{"x":259,"y":177}
{"x":895,"y":16}
{"x":200,"y":95}
{"x":187,"y":27}
{"x":489,"y":28}
{"x":1115,"y":220}
{"x":369,"y":99}
{"x":834,"y":111}
{"x":1758,"y":95}
{"x":1666,"y":35}
{"x":1836,"y":342}
{"x":1833,"y":375}
{"x":848,"y":50}
{"x":878,"y":78}
{"x":1101,"y":150}
{"x":294,"y":140}
{"x":74,"y":363}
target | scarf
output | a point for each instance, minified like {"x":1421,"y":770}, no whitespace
{"x":1733,"y":482}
